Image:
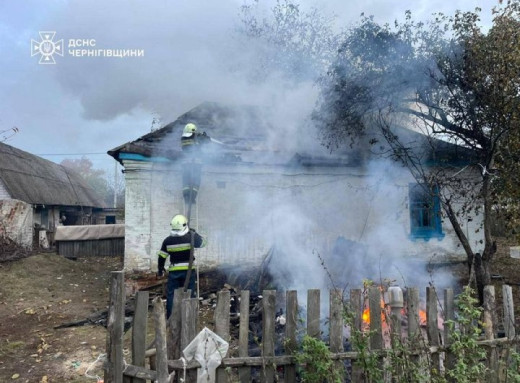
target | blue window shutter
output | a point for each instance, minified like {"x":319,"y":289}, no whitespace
{"x":425,"y":213}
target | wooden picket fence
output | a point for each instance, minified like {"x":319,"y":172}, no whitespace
{"x":163,"y":357}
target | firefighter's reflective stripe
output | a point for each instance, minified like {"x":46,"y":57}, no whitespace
{"x":182,"y":266}
{"x":179,"y":247}
{"x":162,"y":254}
{"x":188,"y":188}
{"x":185,"y":142}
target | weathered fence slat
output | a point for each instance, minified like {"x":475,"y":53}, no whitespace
{"x":382,"y":329}
{"x":139,"y":330}
{"x":115,"y":329}
{"x":449,"y":315}
{"x":356,"y":305}
{"x":509,"y":312}
{"x":336,"y":325}
{"x":268,"y":324}
{"x":489,"y":331}
{"x":313,"y":313}
{"x":376,"y":323}
{"x":174,"y":324}
{"x":374,"y":305}
{"x":290,"y":333}
{"x":222,"y":326}
{"x":509,"y":328}
{"x":189,"y":323}
{"x":244,"y":373}
{"x":161,"y":358}
{"x":432,"y":327}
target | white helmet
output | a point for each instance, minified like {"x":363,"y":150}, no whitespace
{"x":179,"y":225}
{"x":189,"y":129}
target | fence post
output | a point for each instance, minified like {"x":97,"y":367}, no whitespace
{"x":139,"y":329}
{"x":336,"y":326}
{"x":115,"y":329}
{"x":374,"y":306}
{"x":509,"y":326}
{"x":290,"y":333}
{"x":268,"y":316}
{"x":189,"y":323}
{"x":161,"y":357}
{"x":357,"y":307}
{"x":174,"y":324}
{"x":449,"y":315}
{"x":313,"y":313}
{"x":509,"y":312}
{"x":432,"y":328}
{"x":244,"y":373}
{"x":489,"y":331}
{"x":222,"y":326}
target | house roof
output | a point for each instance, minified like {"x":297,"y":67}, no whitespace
{"x":35,"y":180}
{"x":246,"y":136}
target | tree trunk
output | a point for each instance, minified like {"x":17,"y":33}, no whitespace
{"x":482,"y":267}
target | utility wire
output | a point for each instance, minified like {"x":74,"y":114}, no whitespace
{"x":66,"y":154}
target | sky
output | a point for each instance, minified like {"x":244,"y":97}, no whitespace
{"x":84,"y":106}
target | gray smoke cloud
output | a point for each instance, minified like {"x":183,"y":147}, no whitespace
{"x":194,"y":54}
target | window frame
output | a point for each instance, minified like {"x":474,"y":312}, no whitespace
{"x":430,"y":197}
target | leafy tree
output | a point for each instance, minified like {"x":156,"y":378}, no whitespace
{"x":98,"y":180}
{"x":293,"y":42}
{"x":454,"y":83}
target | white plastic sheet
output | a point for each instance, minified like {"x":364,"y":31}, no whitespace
{"x":208,"y":349}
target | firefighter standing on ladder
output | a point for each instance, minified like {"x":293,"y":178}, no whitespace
{"x":178,"y":246}
{"x":190,"y":142}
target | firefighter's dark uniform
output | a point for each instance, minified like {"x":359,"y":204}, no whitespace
{"x":178,"y":249}
{"x":192,"y":169}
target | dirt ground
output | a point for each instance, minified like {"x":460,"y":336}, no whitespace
{"x":46,"y":290}
{"x":43,"y":291}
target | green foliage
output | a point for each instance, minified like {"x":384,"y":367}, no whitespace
{"x":513,"y":369}
{"x":409,"y":361}
{"x":451,"y":80}
{"x":367,"y":361}
{"x":469,"y":366}
{"x":318,"y":366}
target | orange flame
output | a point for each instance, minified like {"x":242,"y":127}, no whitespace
{"x":366,"y":316}
{"x":422,"y":317}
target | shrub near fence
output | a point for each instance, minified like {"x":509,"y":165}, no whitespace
{"x":382,"y":351}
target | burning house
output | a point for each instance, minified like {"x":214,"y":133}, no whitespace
{"x":281,"y":199}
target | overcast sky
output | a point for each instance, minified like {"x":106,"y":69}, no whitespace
{"x":92,"y":104}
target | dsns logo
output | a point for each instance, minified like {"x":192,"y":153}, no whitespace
{"x":46,"y":47}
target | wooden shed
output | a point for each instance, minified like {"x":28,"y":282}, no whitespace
{"x":90,"y":240}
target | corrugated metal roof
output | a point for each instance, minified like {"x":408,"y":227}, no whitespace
{"x":35,"y":180}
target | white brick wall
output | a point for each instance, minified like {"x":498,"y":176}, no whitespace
{"x":260,"y":203}
{"x":137,"y":215}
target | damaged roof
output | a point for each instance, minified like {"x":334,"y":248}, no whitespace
{"x":35,"y":180}
{"x":243,"y":135}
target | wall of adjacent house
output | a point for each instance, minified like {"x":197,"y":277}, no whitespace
{"x":4,"y":194}
{"x":243,"y":210}
{"x":17,"y":221}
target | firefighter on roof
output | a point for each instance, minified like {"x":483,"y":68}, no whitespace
{"x":177,"y":246}
{"x":191,"y":142}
